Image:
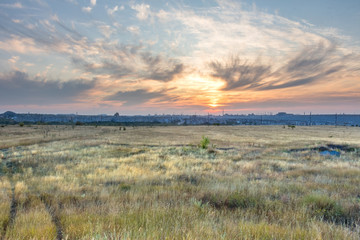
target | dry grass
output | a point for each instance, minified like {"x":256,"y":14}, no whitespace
{"x":156,"y":183}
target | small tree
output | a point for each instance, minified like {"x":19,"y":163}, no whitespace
{"x":21,"y":124}
{"x":204,"y":142}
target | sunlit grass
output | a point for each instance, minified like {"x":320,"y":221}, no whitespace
{"x":157,"y":183}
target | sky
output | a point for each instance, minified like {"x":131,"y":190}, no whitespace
{"x":180,"y":57}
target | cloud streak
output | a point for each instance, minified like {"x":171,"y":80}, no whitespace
{"x":312,"y":64}
{"x":239,"y":73}
{"x":136,"y":97}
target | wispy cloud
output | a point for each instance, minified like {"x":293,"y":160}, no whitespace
{"x":158,"y":68}
{"x":239,"y":73}
{"x":136,"y":97}
{"x":113,"y":10}
{"x":311,"y":64}
{"x":133,"y":29}
{"x":143,"y":11}
{"x":13,"y":5}
{"x":89,"y":8}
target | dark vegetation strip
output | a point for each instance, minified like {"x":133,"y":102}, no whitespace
{"x":328,"y":147}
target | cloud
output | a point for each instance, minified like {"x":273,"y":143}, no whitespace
{"x":239,"y":73}
{"x":133,"y":29}
{"x":106,"y":30}
{"x":14,"y":5}
{"x":161,"y":69}
{"x":307,"y":102}
{"x":87,"y":9}
{"x":311,"y":59}
{"x":148,"y":67}
{"x":136,"y":97}
{"x":14,"y":59}
{"x":115,"y":70}
{"x":111,"y":11}
{"x":311,"y":64}
{"x":143,"y":11}
{"x":18,"y":88}
{"x":20,"y":45}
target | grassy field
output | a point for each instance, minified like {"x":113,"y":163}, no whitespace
{"x":250,"y":182}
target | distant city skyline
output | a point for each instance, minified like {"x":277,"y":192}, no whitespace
{"x":173,"y":57}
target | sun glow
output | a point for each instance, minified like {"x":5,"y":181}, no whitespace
{"x":213,"y":105}
{"x":200,"y":90}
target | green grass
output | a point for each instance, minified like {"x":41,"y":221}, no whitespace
{"x":157,"y":183}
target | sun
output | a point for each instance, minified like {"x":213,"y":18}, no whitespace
{"x":213,"y":105}
{"x":201,"y":89}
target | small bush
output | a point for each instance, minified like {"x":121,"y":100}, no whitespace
{"x":21,"y":124}
{"x":214,"y":200}
{"x":324,"y":208}
{"x":125,"y":187}
{"x":327,"y":209}
{"x":204,"y":143}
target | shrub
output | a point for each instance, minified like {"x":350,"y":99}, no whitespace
{"x":214,"y":200}
{"x":204,"y":143}
{"x":324,"y":208}
{"x":21,"y":124}
{"x":125,"y":187}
